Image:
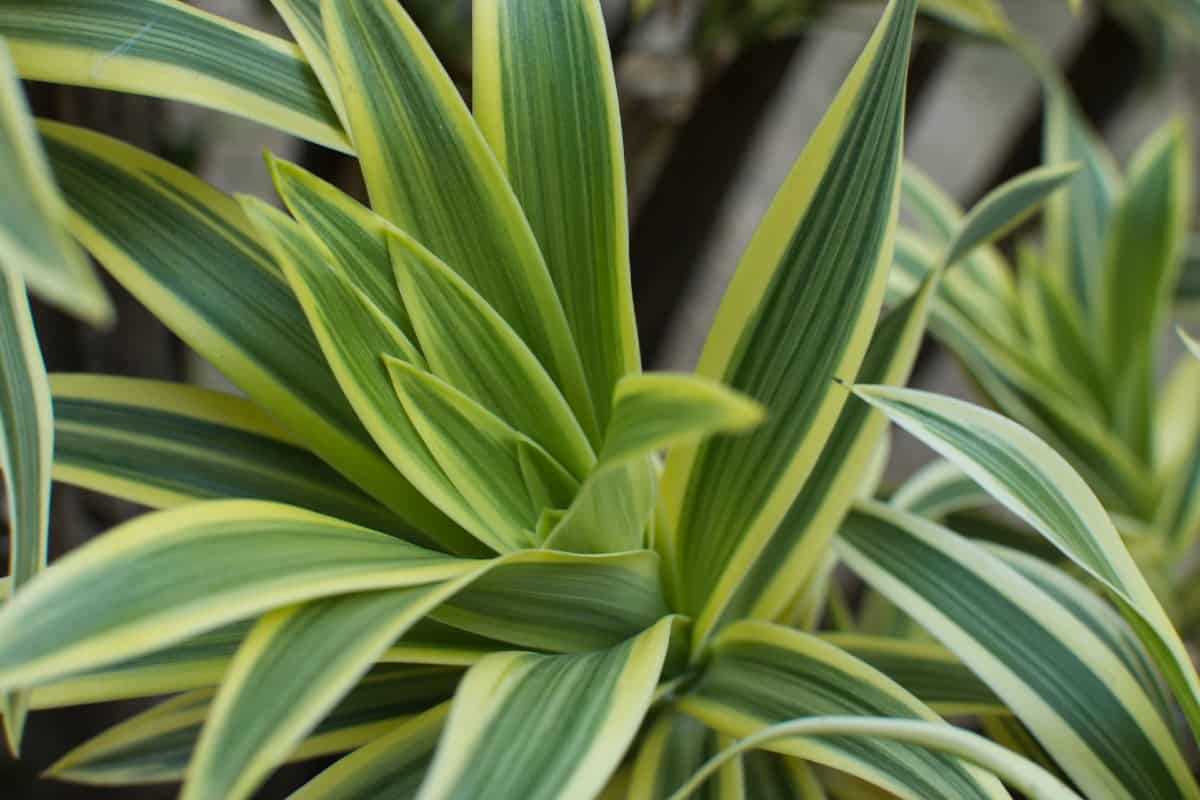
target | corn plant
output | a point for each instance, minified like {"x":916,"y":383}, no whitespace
{"x":436,"y":532}
{"x":1071,"y":348}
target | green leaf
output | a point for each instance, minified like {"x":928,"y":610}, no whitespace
{"x":292,"y":669}
{"x":933,"y":674}
{"x":26,"y":450}
{"x":34,"y":244}
{"x":1191,"y":343}
{"x":761,"y":674}
{"x":480,"y":455}
{"x":546,"y":101}
{"x":188,"y":253}
{"x":560,"y":602}
{"x":650,"y":412}
{"x":535,"y":726}
{"x":1077,"y":221}
{"x":156,"y":746}
{"x":1042,"y":660}
{"x":1145,"y":253}
{"x":354,"y":336}
{"x":984,"y":17}
{"x":674,"y":747}
{"x":471,"y":347}
{"x":198,"y":662}
{"x":163,"y":445}
{"x":1006,"y":206}
{"x":938,"y":489}
{"x":174,"y":574}
{"x":429,"y":170}
{"x":391,"y":766}
{"x":303,"y":20}
{"x":1031,"y":780}
{"x":802,"y":540}
{"x":354,"y":237}
{"x":1037,"y":485}
{"x":798,"y":313}
{"x":166,"y":48}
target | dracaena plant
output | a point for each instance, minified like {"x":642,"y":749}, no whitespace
{"x":1070,"y":347}
{"x":436,"y":534}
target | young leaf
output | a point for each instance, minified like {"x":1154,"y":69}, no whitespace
{"x":471,"y":347}
{"x":164,"y":445}
{"x":34,"y":244}
{"x":354,"y":337}
{"x":546,"y":101}
{"x":166,"y":48}
{"x":174,"y":574}
{"x":536,"y":727}
{"x":1022,"y":648}
{"x":761,"y":674}
{"x":430,"y":171}
{"x":478,"y":453}
{"x":799,"y":312}
{"x":1007,"y":206}
{"x":1036,"y":484}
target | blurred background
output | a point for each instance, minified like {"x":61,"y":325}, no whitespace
{"x":718,"y":98}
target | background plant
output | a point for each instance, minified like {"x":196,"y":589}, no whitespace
{"x":436,"y":534}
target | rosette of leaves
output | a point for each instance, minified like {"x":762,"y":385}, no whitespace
{"x":1072,"y":345}
{"x":436,"y":534}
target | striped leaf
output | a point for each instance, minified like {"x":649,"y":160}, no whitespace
{"x":163,"y":445}
{"x":535,"y":726}
{"x":674,"y":747}
{"x":303,"y":20}
{"x":354,"y":236}
{"x":650,"y":412}
{"x":26,"y":450}
{"x":34,"y":244}
{"x":196,"y":663}
{"x":293,"y":668}
{"x":983,"y":17}
{"x":157,"y":745}
{"x":187,"y":252}
{"x":938,"y":489}
{"x":1146,"y":248}
{"x":430,"y":171}
{"x":1036,"y":484}
{"x":1043,"y":661}
{"x":1006,"y":206}
{"x":1077,"y":221}
{"x":1031,"y":780}
{"x":354,"y":336}
{"x":545,"y":99}
{"x":930,"y":672}
{"x":391,"y":766}
{"x":174,"y":574}
{"x":761,"y":674}
{"x":802,"y":540}
{"x":471,"y":347}
{"x":484,"y":459}
{"x":559,"y":602}
{"x":166,"y":48}
{"x":799,"y":312}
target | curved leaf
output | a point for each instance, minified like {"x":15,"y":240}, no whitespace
{"x":166,"y":48}
{"x":163,"y":445}
{"x":546,"y":101}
